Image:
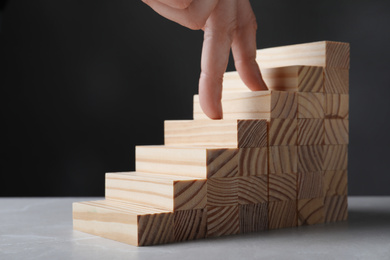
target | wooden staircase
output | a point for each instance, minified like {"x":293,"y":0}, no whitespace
{"x":278,"y":159}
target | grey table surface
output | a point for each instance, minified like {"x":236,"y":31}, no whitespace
{"x":41,"y":228}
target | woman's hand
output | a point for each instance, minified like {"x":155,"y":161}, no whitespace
{"x":226,"y":24}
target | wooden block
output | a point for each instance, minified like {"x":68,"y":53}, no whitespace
{"x":322,"y":54}
{"x":253,"y":161}
{"x":241,"y":105}
{"x":336,"y":106}
{"x":336,"y":80}
{"x":310,"y":158}
{"x":310,"y":131}
{"x":336,"y":131}
{"x":124,"y":222}
{"x":253,"y":217}
{"x":222,"y":221}
{"x":310,"y":185}
{"x":291,"y":78}
{"x":283,"y":159}
{"x":222,"y":191}
{"x":282,"y":214}
{"x":311,"y":105}
{"x":159,"y":191}
{"x":336,"y":208}
{"x":190,"y":224}
{"x":254,"y":105}
{"x":282,"y":187}
{"x":311,"y":211}
{"x":283,"y":131}
{"x":336,"y":183}
{"x":216,"y":133}
{"x":190,"y":162}
{"x":252,"y":189}
{"x":335,"y":157}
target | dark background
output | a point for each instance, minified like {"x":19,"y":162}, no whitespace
{"x":84,"y":81}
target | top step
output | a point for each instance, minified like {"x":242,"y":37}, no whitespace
{"x":324,"y":54}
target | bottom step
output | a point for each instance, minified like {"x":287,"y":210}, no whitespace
{"x":124,"y":222}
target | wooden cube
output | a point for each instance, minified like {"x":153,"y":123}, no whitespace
{"x":282,"y":214}
{"x":335,"y":157}
{"x":311,"y":211}
{"x":310,"y":185}
{"x":310,"y":131}
{"x":222,"y":221}
{"x":283,"y":132}
{"x":311,"y":105}
{"x":253,"y":217}
{"x":222,"y":191}
{"x":336,"y":80}
{"x":336,"y":131}
{"x":252,"y":189}
{"x":310,"y":158}
{"x":282,"y":187}
{"x":253,"y":161}
{"x":336,"y":208}
{"x":336,"y":183}
{"x":336,"y":106}
{"x":283,"y":159}
{"x":190,"y":224}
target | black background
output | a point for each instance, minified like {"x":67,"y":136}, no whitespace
{"x":83,"y":82}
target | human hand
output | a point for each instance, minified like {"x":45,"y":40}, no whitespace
{"x":226,"y":24}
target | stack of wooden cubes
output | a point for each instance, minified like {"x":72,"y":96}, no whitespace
{"x":278,"y":159}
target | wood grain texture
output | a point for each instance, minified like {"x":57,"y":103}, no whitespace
{"x":310,"y":185}
{"x":283,"y":159}
{"x":253,"y":217}
{"x":336,"y":106}
{"x":190,"y":224}
{"x":253,"y":161}
{"x":311,"y":131}
{"x":283,"y":131}
{"x":282,"y":214}
{"x":311,"y":211}
{"x":336,"y":131}
{"x":311,"y":105}
{"x":336,"y":208}
{"x":153,"y":190}
{"x":222,"y":191}
{"x":252,"y":189}
{"x":282,"y":187}
{"x":335,"y":157}
{"x":222,"y":221}
{"x":284,"y":104}
{"x":322,"y":54}
{"x":290,"y":78}
{"x":336,"y":80}
{"x":336,"y":183}
{"x":216,"y":133}
{"x":196,"y":162}
{"x":240,"y":105}
{"x":310,"y":158}
{"x":124,"y":222}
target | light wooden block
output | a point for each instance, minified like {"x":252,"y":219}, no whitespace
{"x":222,"y":191}
{"x":337,"y":106}
{"x":283,"y":131}
{"x":310,"y":158}
{"x":222,"y":221}
{"x":323,"y":54}
{"x":252,"y":189}
{"x":310,"y":185}
{"x":253,"y":161}
{"x":335,"y":157}
{"x":282,"y":187}
{"x":190,"y":162}
{"x":153,"y":190}
{"x":311,"y":105}
{"x":336,"y":131}
{"x":254,"y":105}
{"x":283,"y":159}
{"x":336,"y":183}
{"x":253,"y":217}
{"x":124,"y":222}
{"x":282,"y":214}
{"x":216,"y":133}
{"x":336,"y":208}
{"x":336,"y":80}
{"x":291,"y":78}
{"x":310,"y":131}
{"x":311,"y":211}
{"x":190,"y":224}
